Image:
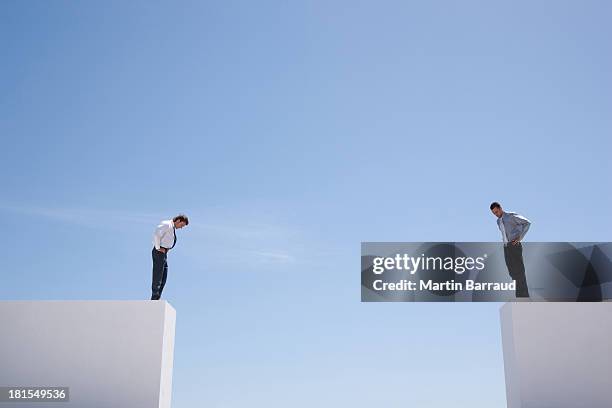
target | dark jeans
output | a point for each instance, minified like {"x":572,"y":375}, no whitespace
{"x":160,"y":272}
{"x":514,"y":261}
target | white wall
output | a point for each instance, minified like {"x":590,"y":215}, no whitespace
{"x":557,"y":355}
{"x":109,"y":353}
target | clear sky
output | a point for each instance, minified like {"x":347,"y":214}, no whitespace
{"x":289,"y":132}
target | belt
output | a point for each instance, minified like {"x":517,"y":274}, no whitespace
{"x":510,"y":244}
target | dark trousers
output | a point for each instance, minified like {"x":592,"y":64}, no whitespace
{"x":160,"y":272}
{"x":513,"y":255}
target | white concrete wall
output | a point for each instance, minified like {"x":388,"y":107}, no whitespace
{"x":115,"y":354}
{"x":557,"y":355}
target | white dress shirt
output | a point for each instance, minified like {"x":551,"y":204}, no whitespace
{"x":164,"y":235}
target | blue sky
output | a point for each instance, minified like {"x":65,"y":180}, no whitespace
{"x":289,"y":132}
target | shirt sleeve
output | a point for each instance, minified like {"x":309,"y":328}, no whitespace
{"x":523,"y":224}
{"x":157,"y":235}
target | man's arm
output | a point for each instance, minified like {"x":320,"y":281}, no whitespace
{"x":501,"y":231}
{"x":157,"y":235}
{"x":523,"y":224}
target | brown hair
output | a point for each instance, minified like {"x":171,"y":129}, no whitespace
{"x":181,"y":217}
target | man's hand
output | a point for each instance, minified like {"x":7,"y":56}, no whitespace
{"x":516,"y":241}
{"x":162,"y":250}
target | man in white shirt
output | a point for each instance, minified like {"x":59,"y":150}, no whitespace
{"x":164,"y":239}
{"x":513,"y":228}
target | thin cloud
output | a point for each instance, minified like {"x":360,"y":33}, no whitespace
{"x":276,"y":256}
{"x":101,"y":219}
{"x":234,"y":238}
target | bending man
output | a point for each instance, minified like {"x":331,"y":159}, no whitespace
{"x":513,"y":228}
{"x":164,"y":239}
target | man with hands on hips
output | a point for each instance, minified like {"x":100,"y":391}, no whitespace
{"x":164,"y":239}
{"x":513,"y":228}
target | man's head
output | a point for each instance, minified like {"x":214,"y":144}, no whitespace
{"x":180,"y":221}
{"x":496,"y":209}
